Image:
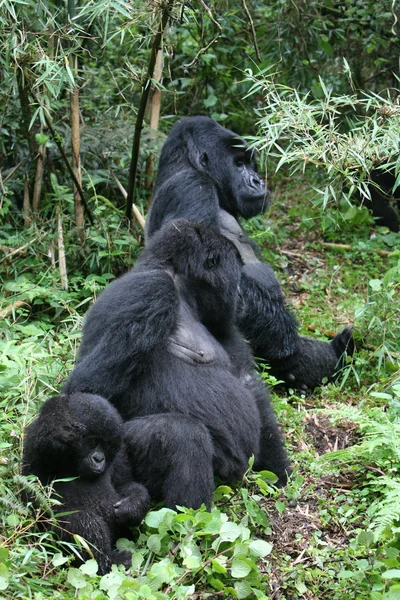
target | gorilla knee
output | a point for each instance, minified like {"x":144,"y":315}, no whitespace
{"x":180,"y":452}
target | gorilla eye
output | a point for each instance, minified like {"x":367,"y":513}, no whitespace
{"x":212,"y":261}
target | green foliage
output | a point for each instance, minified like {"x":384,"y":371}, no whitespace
{"x":379,"y":451}
{"x":377,"y":318}
{"x":341,"y":138}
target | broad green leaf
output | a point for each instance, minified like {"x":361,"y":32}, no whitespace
{"x":241,"y":567}
{"x":391,"y":574}
{"x":90,"y":567}
{"x":154,"y":543}
{"x":4,"y":577}
{"x":260,"y":548}
{"x":229,"y":532}
{"x":76,"y":578}
{"x":243,"y":589}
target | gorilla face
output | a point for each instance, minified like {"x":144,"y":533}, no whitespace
{"x":248,"y":189}
{"x":232,"y":167}
{"x":92,"y":461}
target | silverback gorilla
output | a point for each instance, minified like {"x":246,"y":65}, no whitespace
{"x":206,"y":175}
{"x":162,"y":345}
{"x":80,"y":436}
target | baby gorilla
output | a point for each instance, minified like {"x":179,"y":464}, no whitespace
{"x":161,"y":343}
{"x":79,"y":436}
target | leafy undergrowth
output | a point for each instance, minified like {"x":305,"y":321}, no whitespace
{"x":333,"y":532}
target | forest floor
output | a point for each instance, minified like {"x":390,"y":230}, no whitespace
{"x":321,"y":537}
{"x":325,"y":278}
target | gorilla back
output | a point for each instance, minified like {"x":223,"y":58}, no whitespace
{"x":162,"y":345}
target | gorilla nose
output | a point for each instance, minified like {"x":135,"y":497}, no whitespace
{"x":257,"y":182}
{"x":98,"y":458}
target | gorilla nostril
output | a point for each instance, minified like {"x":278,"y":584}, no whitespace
{"x":258,"y":182}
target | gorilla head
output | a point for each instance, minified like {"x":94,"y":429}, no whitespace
{"x":76,"y":441}
{"x":200,"y":145}
{"x":200,"y":260}
{"x":77,"y":435}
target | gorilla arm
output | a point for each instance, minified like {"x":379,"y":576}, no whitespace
{"x":271,"y":329}
{"x":131,"y":319}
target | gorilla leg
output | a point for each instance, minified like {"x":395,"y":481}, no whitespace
{"x":93,"y":528}
{"x":172,"y":455}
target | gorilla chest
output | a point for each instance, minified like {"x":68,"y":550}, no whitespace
{"x":193,"y":344}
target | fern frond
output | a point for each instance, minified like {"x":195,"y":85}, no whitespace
{"x":36,"y":493}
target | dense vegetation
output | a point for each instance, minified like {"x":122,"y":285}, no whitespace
{"x":315,"y":84}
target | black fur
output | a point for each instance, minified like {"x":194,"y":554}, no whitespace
{"x":384,"y":202}
{"x":80,"y":436}
{"x":162,"y":345}
{"x":207,"y":175}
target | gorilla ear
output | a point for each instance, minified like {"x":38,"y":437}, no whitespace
{"x":204,"y":159}
{"x":198,"y":160}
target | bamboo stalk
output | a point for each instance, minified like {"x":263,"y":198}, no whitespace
{"x":37,"y":188}
{"x":62,"y":263}
{"x":155,"y":109}
{"x":27,"y":204}
{"x":76,"y":157}
{"x":142,"y":107}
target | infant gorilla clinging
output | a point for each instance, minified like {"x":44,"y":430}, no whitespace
{"x":80,"y":436}
{"x":162,"y":345}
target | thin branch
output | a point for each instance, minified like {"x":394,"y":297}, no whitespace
{"x":11,"y":308}
{"x":57,"y":139}
{"x":203,"y":50}
{"x":139,"y":217}
{"x":142,"y":107}
{"x":253,"y":31}
{"x":348,"y":247}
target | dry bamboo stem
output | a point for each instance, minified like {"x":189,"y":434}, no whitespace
{"x":62,"y":264}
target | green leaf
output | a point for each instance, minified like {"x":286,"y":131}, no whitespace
{"x":365,"y":538}
{"x":391,"y":574}
{"x":210,"y":101}
{"x":42,"y":138}
{"x":4,"y":577}
{"x":243,"y":589}
{"x":216,"y":583}
{"x":76,"y":578}
{"x":13,"y":519}
{"x":393,"y":593}
{"x":154,"y":543}
{"x":218,"y":567}
{"x":137,"y":561}
{"x":59,"y":559}
{"x":375,"y":284}
{"x":90,"y":567}
{"x":191,"y":556}
{"x":112,"y":581}
{"x":241,"y":567}
{"x":229,"y":532}
{"x":155,"y":517}
{"x":260,"y":548}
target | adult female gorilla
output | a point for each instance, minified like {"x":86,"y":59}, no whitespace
{"x":162,"y":345}
{"x":207,"y":175}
